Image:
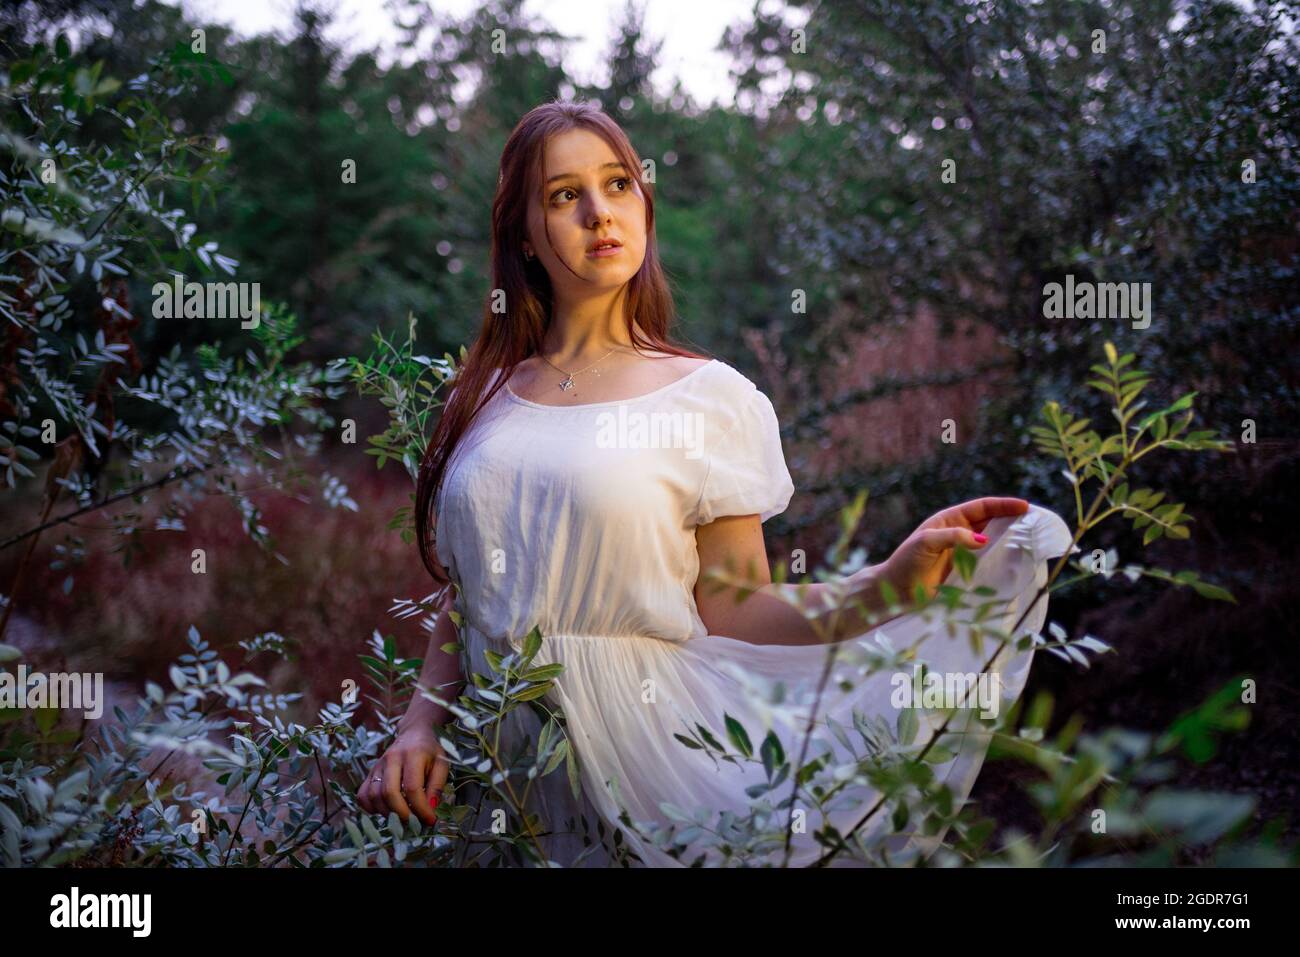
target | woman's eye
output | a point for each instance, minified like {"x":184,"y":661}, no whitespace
{"x":559,"y":194}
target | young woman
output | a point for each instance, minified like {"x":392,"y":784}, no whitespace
{"x":585,"y":471}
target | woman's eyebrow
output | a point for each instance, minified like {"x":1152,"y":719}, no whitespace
{"x":567,"y":175}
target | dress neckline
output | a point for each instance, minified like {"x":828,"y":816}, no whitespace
{"x":596,"y":405}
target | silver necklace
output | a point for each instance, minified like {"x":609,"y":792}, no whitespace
{"x":567,"y":384}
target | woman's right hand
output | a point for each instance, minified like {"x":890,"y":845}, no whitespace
{"x":925,"y":557}
{"x":407,"y":777}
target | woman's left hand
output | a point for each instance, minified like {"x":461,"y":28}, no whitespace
{"x":925,"y":558}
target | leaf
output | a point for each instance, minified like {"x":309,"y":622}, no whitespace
{"x":841,"y":735}
{"x":736,"y":732}
{"x":772,"y":753}
{"x":543,"y":673}
{"x":1111,"y":356}
{"x":1094,"y":644}
{"x":528,"y":694}
{"x":571,"y":769}
{"x":907,"y":725}
{"x":532,"y":643}
{"x":1076,"y":654}
{"x":354,"y":832}
{"x":561,"y":752}
{"x":964,"y":561}
{"x":1208,"y":590}
{"x":707,"y":737}
{"x":939,"y":755}
{"x":888,"y":593}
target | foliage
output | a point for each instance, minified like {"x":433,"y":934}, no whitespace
{"x":84,"y":220}
{"x":96,"y":803}
{"x":1104,"y":140}
{"x":287,"y":791}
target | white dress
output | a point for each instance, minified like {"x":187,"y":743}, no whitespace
{"x":580,"y":520}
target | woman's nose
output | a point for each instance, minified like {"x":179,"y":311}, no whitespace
{"x":599,"y":213}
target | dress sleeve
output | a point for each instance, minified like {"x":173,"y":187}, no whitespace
{"x":747,"y":474}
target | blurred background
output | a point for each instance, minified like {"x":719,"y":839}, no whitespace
{"x":812,"y":241}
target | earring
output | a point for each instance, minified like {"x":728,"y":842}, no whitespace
{"x":527,"y":254}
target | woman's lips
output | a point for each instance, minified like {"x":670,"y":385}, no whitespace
{"x":604,"y":251}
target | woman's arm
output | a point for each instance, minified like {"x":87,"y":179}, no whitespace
{"x":408,"y":777}
{"x":764,"y":618}
{"x":777,"y":614}
{"x":441,"y":674}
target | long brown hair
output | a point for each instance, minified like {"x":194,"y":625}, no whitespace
{"x":506,"y":340}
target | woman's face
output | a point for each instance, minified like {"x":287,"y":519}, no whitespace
{"x":588,"y":195}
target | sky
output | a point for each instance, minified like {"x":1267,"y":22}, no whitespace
{"x":689,"y":28}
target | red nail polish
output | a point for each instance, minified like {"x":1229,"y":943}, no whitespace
{"x":434,"y":801}
{"x":981,"y":538}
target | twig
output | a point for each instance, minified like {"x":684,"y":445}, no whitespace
{"x":128,"y":493}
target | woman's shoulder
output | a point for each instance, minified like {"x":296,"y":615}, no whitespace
{"x":726,"y":395}
{"x":725,"y":381}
